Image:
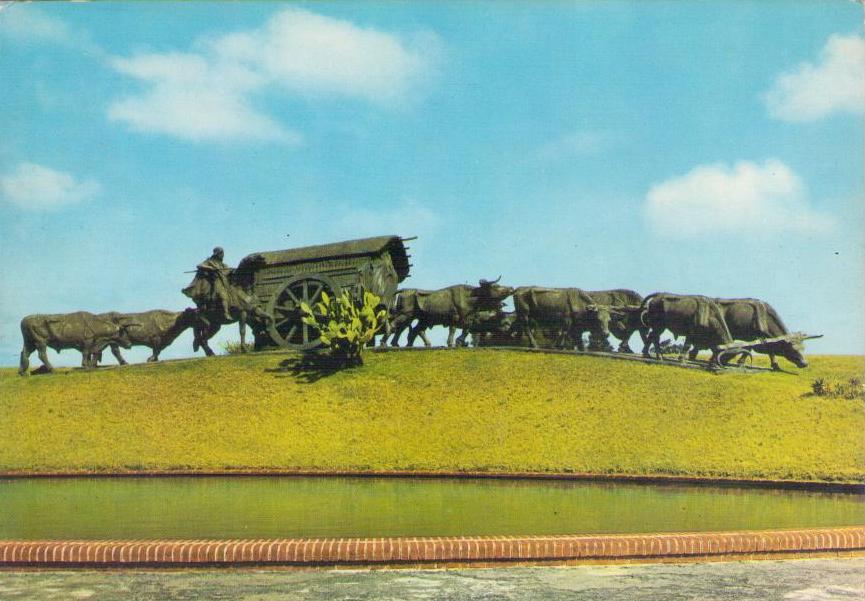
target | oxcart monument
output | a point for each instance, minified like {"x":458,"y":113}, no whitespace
{"x":472,"y":300}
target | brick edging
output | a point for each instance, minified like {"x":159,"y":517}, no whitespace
{"x":407,"y":550}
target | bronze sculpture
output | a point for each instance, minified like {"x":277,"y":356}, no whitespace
{"x":452,"y":307}
{"x":86,"y":332}
{"x":281,"y":280}
{"x":220,"y":296}
{"x":156,"y":330}
{"x":750,"y":319}
{"x":698,"y":318}
{"x":571,"y":310}
{"x":211,"y":288}
{"x":626,"y":319}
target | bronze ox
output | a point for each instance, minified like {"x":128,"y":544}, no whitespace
{"x":626,"y":320}
{"x":570,"y":311}
{"x":494,"y":328}
{"x":698,"y":318}
{"x":453,"y":307}
{"x":750,"y":319}
{"x":156,"y":329}
{"x":500,"y":328}
{"x":86,"y":332}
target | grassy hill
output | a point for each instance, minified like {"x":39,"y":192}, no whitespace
{"x":469,"y":409}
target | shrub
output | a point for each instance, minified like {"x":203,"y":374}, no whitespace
{"x":233,"y":347}
{"x":345,"y":325}
{"x":850,"y":390}
{"x":820,"y":387}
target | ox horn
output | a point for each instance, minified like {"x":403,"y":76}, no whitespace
{"x":496,"y":281}
{"x":804,"y":336}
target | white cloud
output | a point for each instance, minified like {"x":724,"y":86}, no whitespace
{"x":835,"y":84}
{"x":746,"y":198}
{"x":193,"y":99}
{"x":24,"y":23}
{"x":312,"y":54}
{"x":35,"y":187}
{"x":28,"y":24}
{"x":208,"y":94}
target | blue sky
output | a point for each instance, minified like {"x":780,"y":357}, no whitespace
{"x":698,"y":147}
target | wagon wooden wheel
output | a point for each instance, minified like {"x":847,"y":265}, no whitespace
{"x":287,"y":329}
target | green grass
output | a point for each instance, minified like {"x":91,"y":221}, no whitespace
{"x":471,"y":410}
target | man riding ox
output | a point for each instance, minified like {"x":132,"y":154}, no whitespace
{"x":626,"y":319}
{"x":157,"y":329}
{"x":220,"y":295}
{"x":453,"y":307}
{"x":86,"y":332}
{"x":750,"y":319}
{"x":698,"y":318}
{"x":570,"y":311}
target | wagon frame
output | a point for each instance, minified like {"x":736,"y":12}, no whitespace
{"x":281,"y":280}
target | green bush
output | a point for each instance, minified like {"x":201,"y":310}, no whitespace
{"x":850,"y":390}
{"x":233,"y":347}
{"x":345,"y":325}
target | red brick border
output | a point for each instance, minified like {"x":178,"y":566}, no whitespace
{"x":405,"y":550}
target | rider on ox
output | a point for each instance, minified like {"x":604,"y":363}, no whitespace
{"x":218,"y":292}
{"x":211,"y":289}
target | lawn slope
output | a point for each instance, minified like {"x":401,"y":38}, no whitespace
{"x":469,"y":409}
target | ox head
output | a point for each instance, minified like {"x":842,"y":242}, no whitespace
{"x":492,"y":293}
{"x":123,"y":325}
{"x":625,"y":316}
{"x":600,"y":316}
{"x":188,"y":317}
{"x":793,"y":350}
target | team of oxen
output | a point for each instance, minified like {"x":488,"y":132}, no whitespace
{"x":548,"y":317}
{"x":562,"y":316}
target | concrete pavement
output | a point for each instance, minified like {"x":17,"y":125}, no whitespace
{"x":790,"y":580}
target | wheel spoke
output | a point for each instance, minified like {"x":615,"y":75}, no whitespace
{"x":292,"y":295}
{"x":290,"y":333}
{"x":317,"y":293}
{"x":285,"y":308}
{"x":305,"y":295}
{"x":305,"y":333}
{"x":282,"y":321}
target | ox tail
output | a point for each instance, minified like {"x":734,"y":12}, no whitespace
{"x":761,"y":318}
{"x":27,"y":331}
{"x":404,"y":301}
{"x":720,"y":314}
{"x":772,"y":315}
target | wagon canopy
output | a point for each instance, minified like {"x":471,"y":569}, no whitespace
{"x":363,"y":247}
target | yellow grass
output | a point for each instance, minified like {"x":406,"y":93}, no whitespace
{"x":468,"y":409}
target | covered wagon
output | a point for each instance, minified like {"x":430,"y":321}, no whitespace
{"x":281,"y":280}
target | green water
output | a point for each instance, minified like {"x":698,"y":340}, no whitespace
{"x":137,"y":508}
